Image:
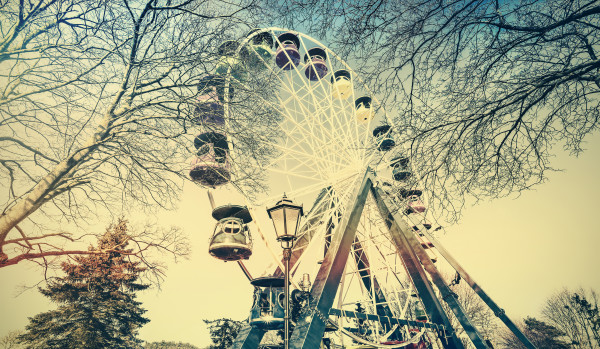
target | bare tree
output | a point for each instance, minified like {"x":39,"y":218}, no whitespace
{"x":96,"y":104}
{"x":576,"y":314}
{"x":477,"y":311}
{"x":480,"y":90}
{"x":10,"y":341}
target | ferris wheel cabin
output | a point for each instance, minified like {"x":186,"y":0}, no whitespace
{"x":383,"y":137}
{"x":268,"y":308}
{"x":414,"y":204}
{"x":316,"y":66}
{"x":341,"y":84}
{"x":364,"y":112}
{"x":230,"y":60}
{"x":216,"y":82}
{"x":231,"y":240}
{"x":413,"y":198}
{"x":287,"y":56}
{"x":400,"y":170}
{"x":261,"y":49}
{"x":409,"y":192}
{"x":209,"y":107}
{"x":210,"y":167}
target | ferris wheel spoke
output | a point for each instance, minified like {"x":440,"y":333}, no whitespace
{"x":291,"y":150}
{"x":306,"y":131}
{"x":317,"y":100}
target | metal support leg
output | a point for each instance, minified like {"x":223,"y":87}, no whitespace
{"x":311,"y":326}
{"x":484,"y":296}
{"x":249,"y":337}
{"x":433,"y":307}
{"x":437,"y":279}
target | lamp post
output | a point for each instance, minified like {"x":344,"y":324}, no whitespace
{"x":286,"y":219}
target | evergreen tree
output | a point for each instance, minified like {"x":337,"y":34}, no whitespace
{"x":223,"y":332}
{"x":541,"y":334}
{"x":589,"y":316}
{"x":97,"y":306}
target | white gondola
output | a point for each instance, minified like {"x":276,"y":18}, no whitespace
{"x":341,"y":84}
{"x":231,"y":240}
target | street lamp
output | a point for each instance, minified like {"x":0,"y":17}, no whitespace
{"x":286,"y":219}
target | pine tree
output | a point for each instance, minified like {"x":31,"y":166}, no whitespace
{"x":545,"y":335}
{"x":97,"y":306}
{"x":223,"y":332}
{"x":589,"y":316}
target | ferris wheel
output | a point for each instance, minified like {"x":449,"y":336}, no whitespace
{"x":325,"y":138}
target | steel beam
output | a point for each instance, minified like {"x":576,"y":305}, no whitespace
{"x":440,"y":283}
{"x":499,"y":312}
{"x":311,"y":325}
{"x":425,"y":290}
{"x":249,"y":337}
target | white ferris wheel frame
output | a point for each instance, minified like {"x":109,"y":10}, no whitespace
{"x":325,"y":160}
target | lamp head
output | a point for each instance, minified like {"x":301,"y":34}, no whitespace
{"x":286,"y":219}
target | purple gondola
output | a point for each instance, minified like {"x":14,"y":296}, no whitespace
{"x":209,"y":107}
{"x":414,"y":204}
{"x":287,"y":56}
{"x":210,"y":167}
{"x":341,"y":84}
{"x":316,"y":67}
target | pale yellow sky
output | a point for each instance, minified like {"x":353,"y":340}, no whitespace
{"x":520,"y":250}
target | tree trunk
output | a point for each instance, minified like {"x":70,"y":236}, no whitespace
{"x":45,"y":189}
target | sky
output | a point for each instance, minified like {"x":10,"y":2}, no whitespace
{"x":520,"y":249}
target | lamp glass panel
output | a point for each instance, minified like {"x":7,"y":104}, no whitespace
{"x":292,"y":216}
{"x":278,"y":220}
